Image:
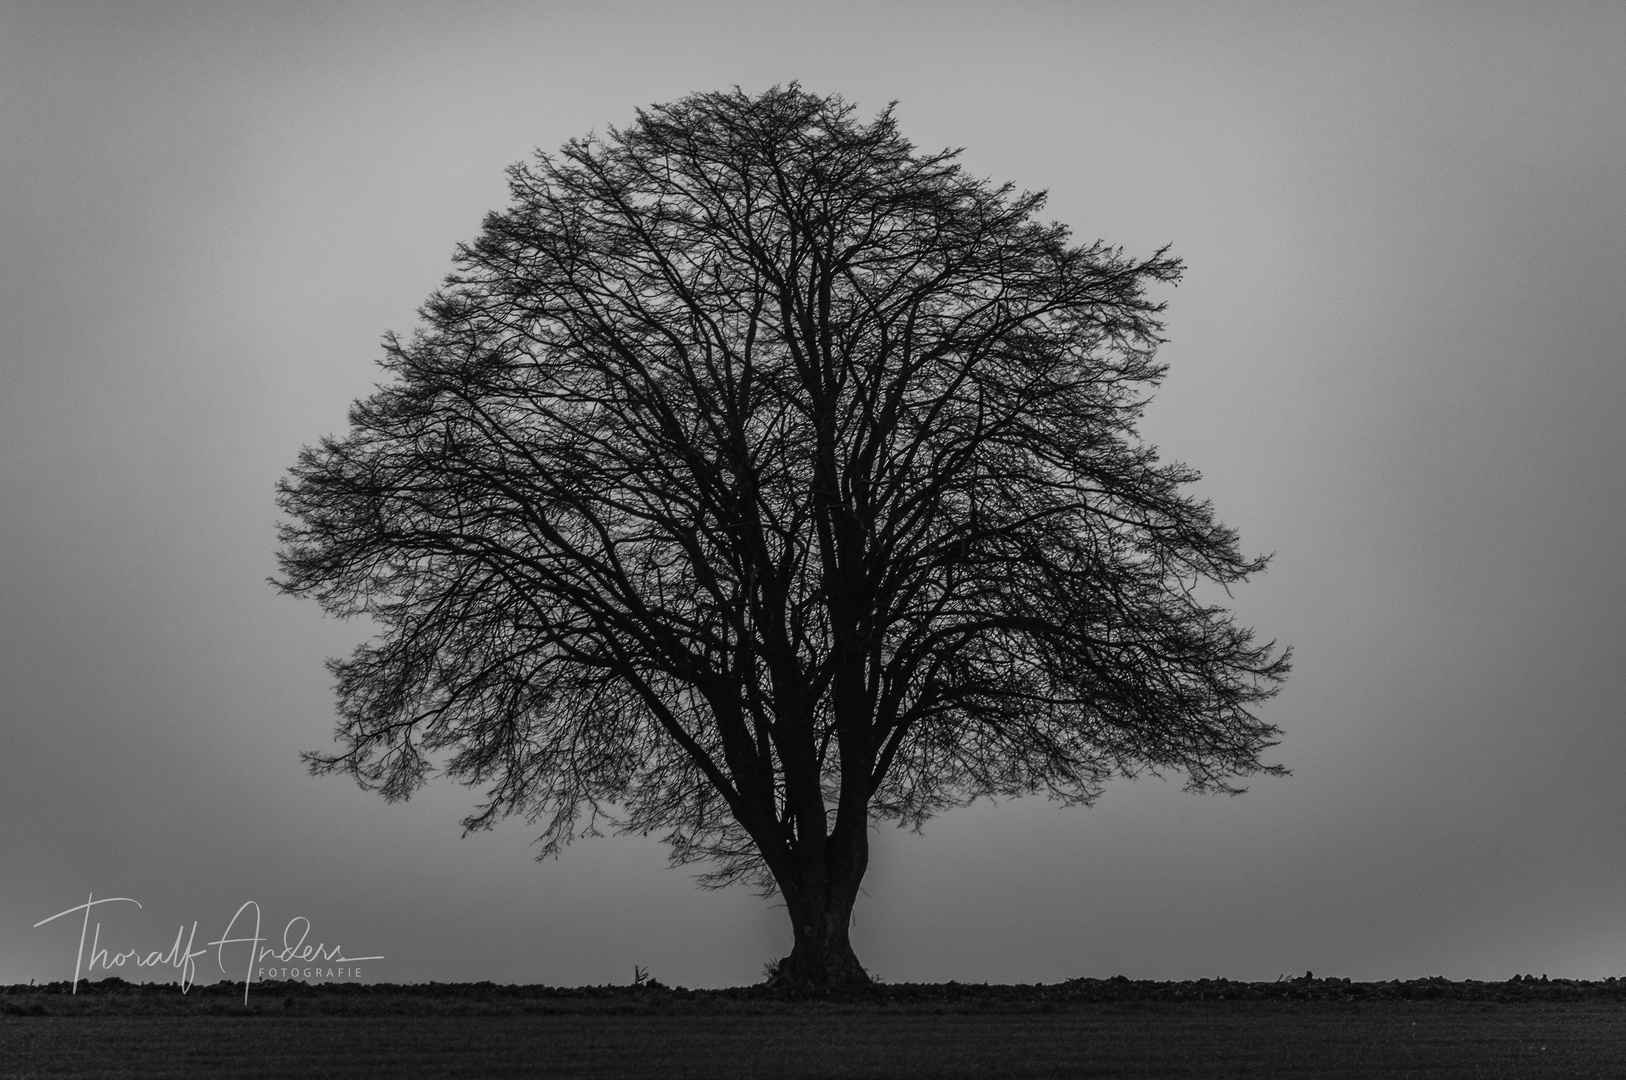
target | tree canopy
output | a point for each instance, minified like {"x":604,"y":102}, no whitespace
{"x":757,"y":477}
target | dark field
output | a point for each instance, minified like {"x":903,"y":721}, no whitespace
{"x":1106,"y":1028}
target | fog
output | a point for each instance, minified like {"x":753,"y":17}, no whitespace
{"x":1397,"y":358}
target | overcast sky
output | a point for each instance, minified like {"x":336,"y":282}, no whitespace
{"x":1398,"y":357}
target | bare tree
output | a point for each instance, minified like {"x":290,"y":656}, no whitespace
{"x":756,"y":478}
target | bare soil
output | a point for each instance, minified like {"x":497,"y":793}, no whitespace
{"x":1085,"y":1028}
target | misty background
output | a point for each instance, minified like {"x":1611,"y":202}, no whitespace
{"x":1398,"y":357}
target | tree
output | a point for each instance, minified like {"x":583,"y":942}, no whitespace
{"x":756,"y":478}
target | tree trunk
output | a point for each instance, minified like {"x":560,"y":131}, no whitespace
{"x":819,"y":897}
{"x":822,"y":955}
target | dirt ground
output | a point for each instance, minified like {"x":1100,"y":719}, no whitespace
{"x":1087,"y":1028}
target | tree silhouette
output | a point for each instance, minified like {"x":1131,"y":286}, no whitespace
{"x":756,"y":478}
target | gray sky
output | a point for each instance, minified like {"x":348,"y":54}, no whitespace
{"x":1399,"y":358}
